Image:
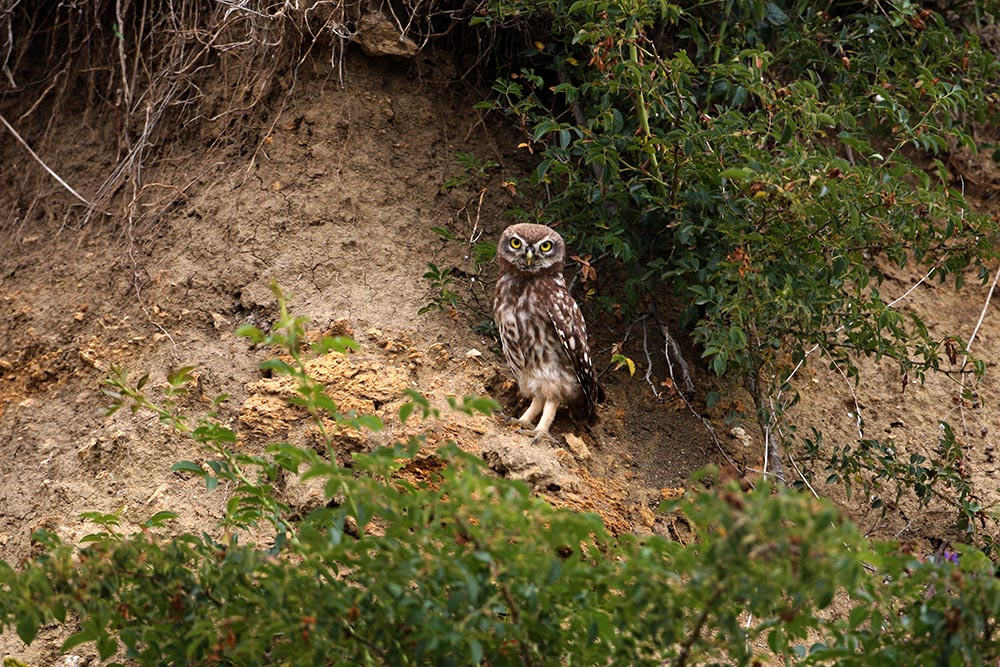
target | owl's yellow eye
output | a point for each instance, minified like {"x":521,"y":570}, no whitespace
{"x":545,"y":246}
{"x":515,"y":243}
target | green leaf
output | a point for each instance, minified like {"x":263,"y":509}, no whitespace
{"x":74,"y":640}
{"x":342,"y":344}
{"x":160,"y":518}
{"x":107,"y":645}
{"x":737,"y":173}
{"x":278,"y":366}
{"x":249,"y":331}
{"x":27,"y":626}
{"x":188,"y":466}
{"x":787,"y":133}
{"x":857,"y":616}
{"x":371,"y":422}
{"x":475,"y":652}
{"x":482,"y":404}
{"x":774,"y":14}
{"x":181,"y":376}
{"x":719,"y":365}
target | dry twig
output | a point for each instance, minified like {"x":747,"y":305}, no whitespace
{"x":46,"y":167}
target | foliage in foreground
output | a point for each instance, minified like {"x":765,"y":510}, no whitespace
{"x":474,"y":570}
{"x":465,"y":569}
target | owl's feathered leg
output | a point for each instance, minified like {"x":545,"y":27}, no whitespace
{"x":548,"y":414}
{"x":528,"y":418}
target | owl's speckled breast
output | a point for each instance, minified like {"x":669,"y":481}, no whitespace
{"x":531,"y":344}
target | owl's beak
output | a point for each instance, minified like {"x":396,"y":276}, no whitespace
{"x":529,"y":255}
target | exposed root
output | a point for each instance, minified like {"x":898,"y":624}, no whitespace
{"x":679,"y":373}
{"x":46,"y":167}
{"x":155,"y":70}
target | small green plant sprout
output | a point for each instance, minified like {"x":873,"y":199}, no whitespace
{"x":445,"y":233}
{"x":483,"y":252}
{"x":443,"y":297}
{"x":108,"y":522}
{"x":475,"y":170}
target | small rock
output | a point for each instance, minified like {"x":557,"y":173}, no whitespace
{"x":516,"y":458}
{"x":672,"y":492}
{"x":89,"y":357}
{"x":342,"y":327}
{"x":741,"y":436}
{"x":377,"y":35}
{"x":219,"y":321}
{"x":576,"y":445}
{"x":157,"y":493}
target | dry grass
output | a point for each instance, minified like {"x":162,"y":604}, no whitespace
{"x":154,"y":71}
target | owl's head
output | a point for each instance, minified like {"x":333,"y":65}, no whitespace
{"x":532,"y":248}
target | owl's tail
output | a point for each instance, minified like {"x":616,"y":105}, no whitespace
{"x":586,"y":410}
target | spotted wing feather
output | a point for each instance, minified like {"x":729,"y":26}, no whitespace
{"x":568,"y":322}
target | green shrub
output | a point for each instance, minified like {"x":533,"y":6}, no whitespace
{"x":769,"y":162}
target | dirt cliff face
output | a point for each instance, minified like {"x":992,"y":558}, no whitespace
{"x":334,"y":193}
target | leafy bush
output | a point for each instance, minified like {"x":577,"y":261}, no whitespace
{"x":468,"y":569}
{"x":770,"y":162}
{"x":884,"y":476}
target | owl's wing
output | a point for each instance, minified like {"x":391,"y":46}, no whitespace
{"x":572,"y":331}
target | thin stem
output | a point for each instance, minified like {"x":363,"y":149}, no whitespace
{"x":39,"y":160}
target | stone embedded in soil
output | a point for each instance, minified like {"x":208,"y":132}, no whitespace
{"x":515,"y":457}
{"x":354,"y":382}
{"x":267,"y":416}
{"x":577,"y":446}
{"x":377,"y":35}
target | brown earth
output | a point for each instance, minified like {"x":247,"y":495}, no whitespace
{"x":337,"y":206}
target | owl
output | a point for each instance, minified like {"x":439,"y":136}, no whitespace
{"x":541,"y":328}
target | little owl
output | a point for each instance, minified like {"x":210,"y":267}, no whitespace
{"x":542,"y":329}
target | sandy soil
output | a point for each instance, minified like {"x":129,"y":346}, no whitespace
{"x":338,"y":207}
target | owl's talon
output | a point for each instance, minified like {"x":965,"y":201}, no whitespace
{"x":543,"y":437}
{"x":522,"y":427}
